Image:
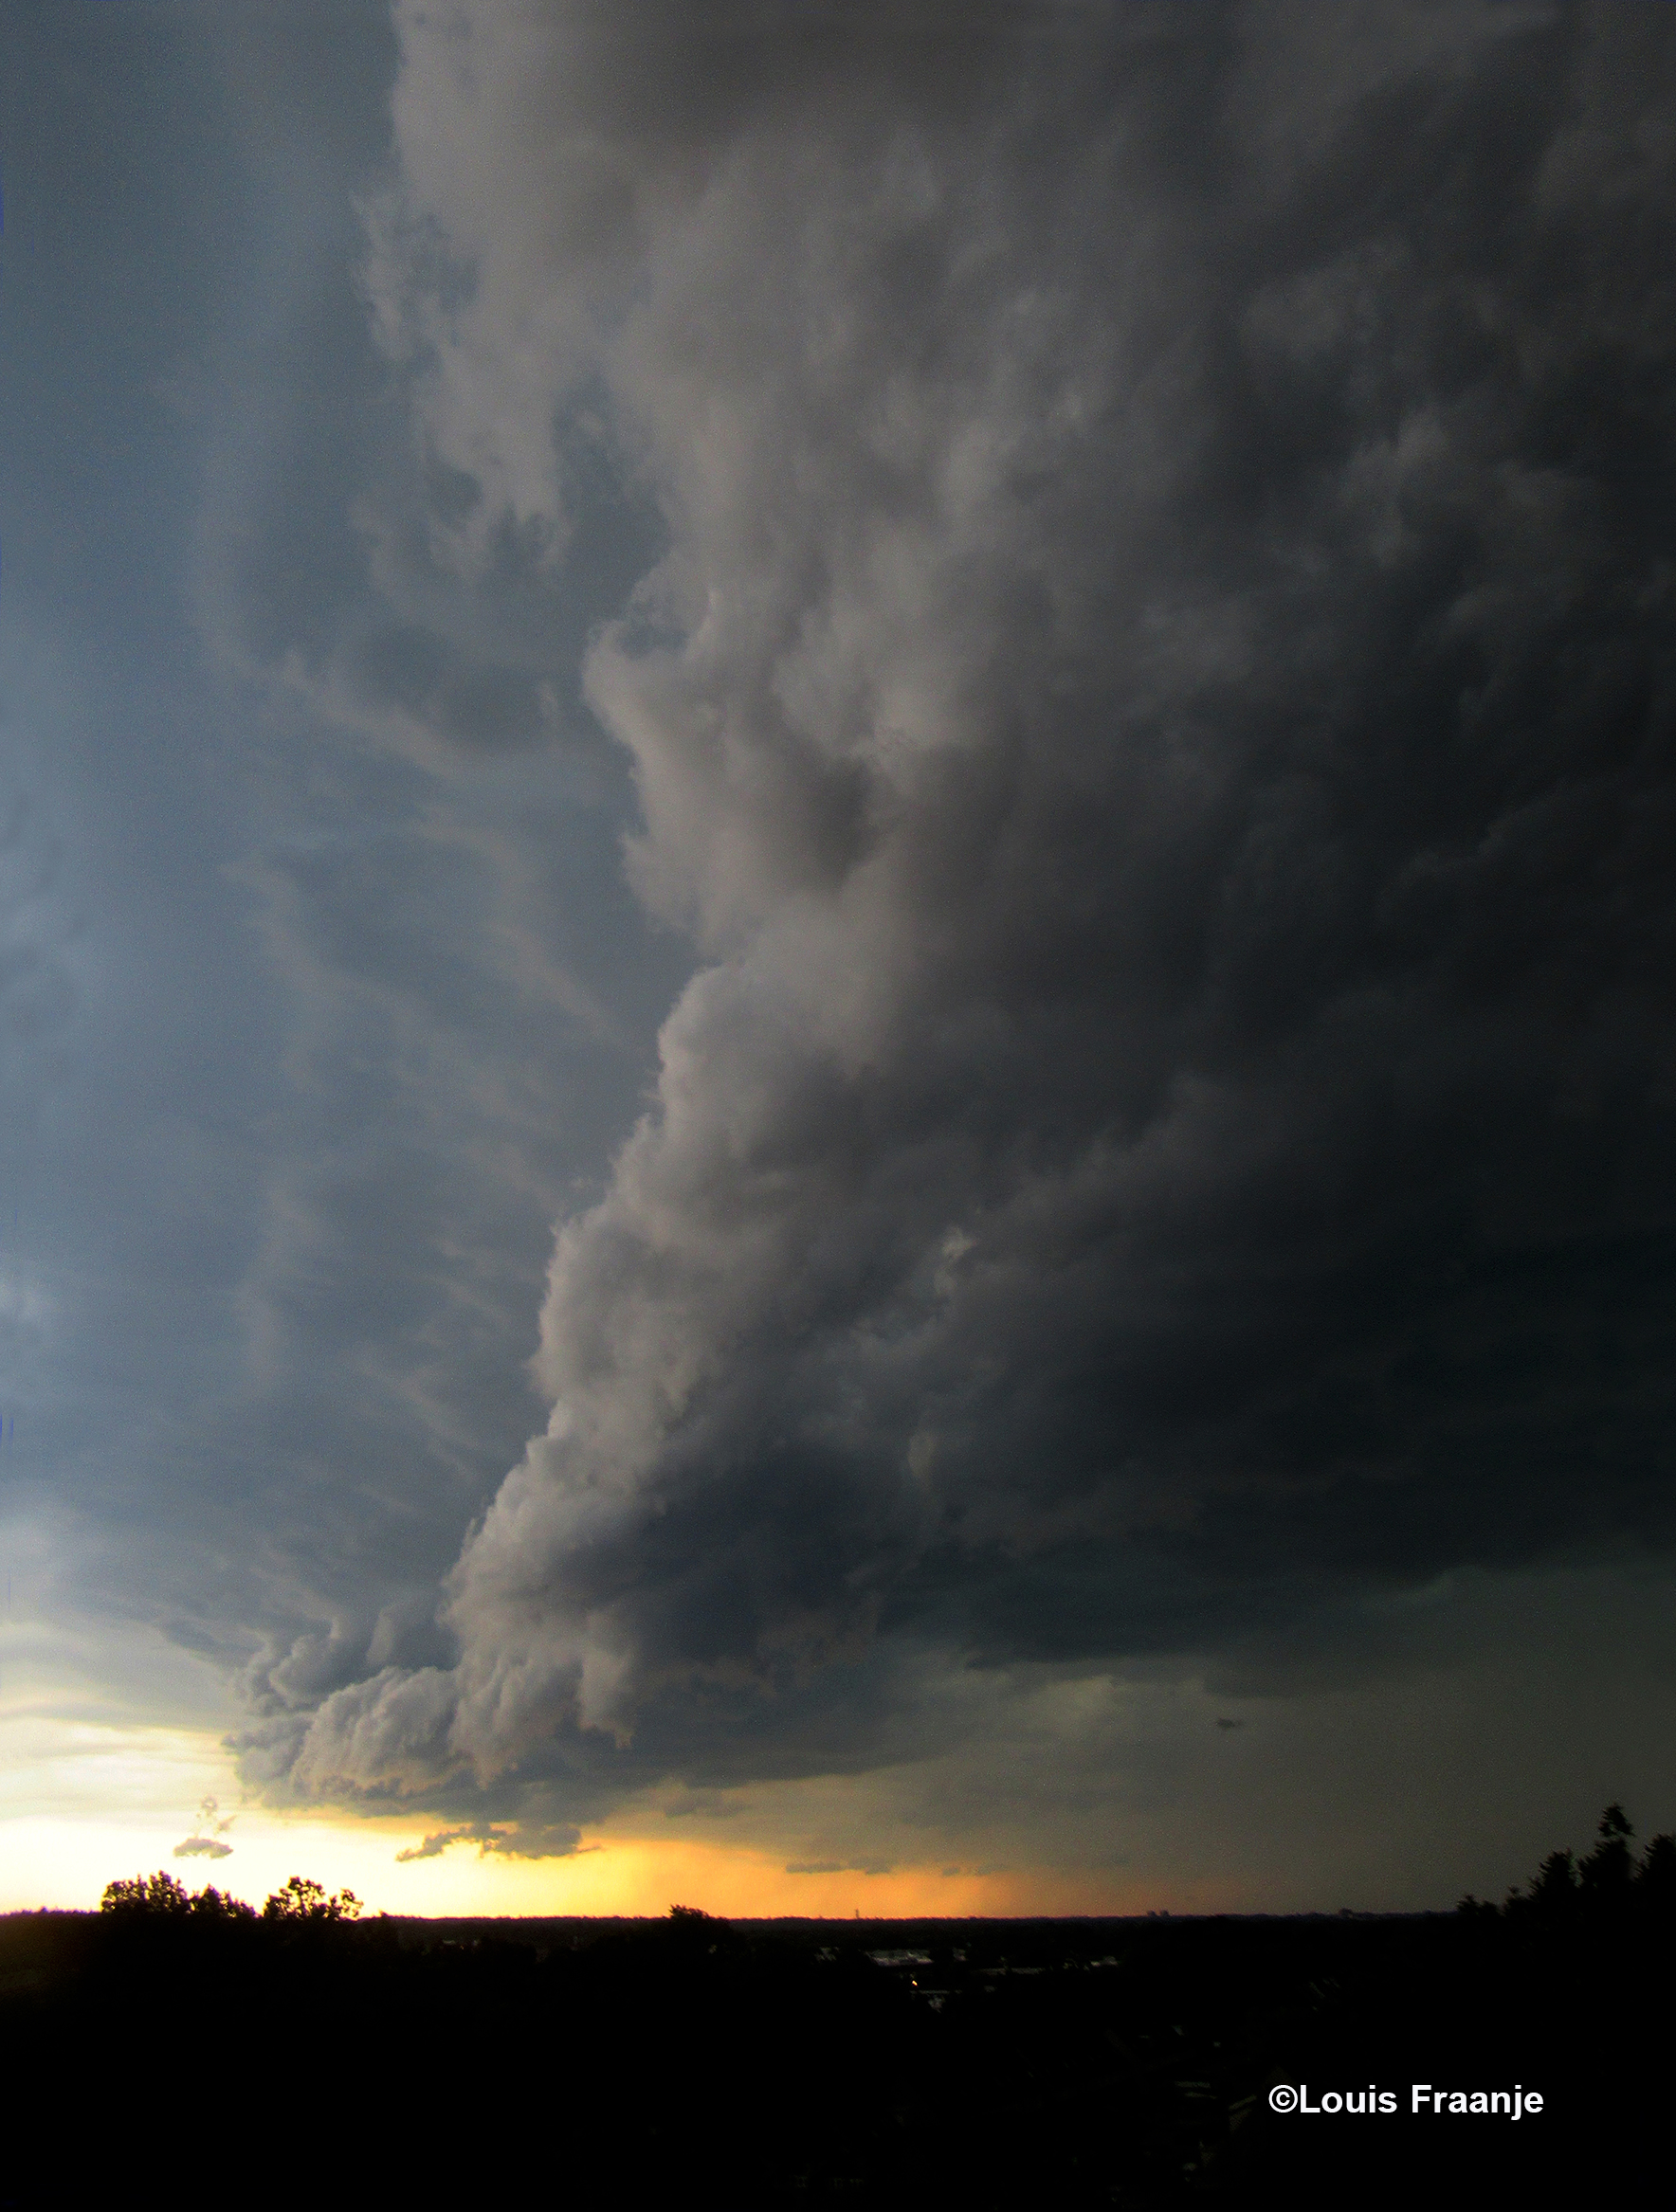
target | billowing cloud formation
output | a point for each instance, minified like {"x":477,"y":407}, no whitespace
{"x":1156,"y":711}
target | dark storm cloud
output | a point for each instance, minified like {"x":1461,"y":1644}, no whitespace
{"x":1157,"y":713}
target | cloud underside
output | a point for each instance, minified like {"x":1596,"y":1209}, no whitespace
{"x":1154,"y":714}
{"x":506,"y":1839}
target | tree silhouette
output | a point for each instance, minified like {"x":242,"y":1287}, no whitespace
{"x":304,"y":1900}
{"x":1608,"y":1870}
{"x":160,"y":1896}
{"x":1554,"y":1883}
{"x":1611,"y":1880}
{"x":1656,"y":1882}
{"x":157,"y":1893}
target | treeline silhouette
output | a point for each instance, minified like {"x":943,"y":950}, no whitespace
{"x":983,"y":2063}
{"x":1610,"y":1883}
{"x":159,"y":1896}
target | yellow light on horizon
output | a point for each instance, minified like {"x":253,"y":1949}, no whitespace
{"x":64,"y":1862}
{"x":86,"y":1801}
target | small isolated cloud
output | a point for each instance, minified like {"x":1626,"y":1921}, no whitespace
{"x":1228,"y":1724}
{"x":205,"y":1840}
{"x":503,"y":1839}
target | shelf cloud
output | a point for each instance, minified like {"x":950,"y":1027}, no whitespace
{"x":1151,"y":705}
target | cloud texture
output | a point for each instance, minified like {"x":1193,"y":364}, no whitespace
{"x":1155,"y":713}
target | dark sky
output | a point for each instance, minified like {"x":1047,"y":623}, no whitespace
{"x":890,"y":787}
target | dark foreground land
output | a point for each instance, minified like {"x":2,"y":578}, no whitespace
{"x":965,"y":2063}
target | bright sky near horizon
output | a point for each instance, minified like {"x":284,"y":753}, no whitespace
{"x":836,"y":935}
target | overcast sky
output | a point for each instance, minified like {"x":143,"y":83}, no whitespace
{"x":836,"y":932}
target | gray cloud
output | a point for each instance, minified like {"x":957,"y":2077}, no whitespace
{"x":840,"y":1866}
{"x":1155,"y":713}
{"x":521,"y":1840}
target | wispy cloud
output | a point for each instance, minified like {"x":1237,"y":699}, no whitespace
{"x":206,"y":1839}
